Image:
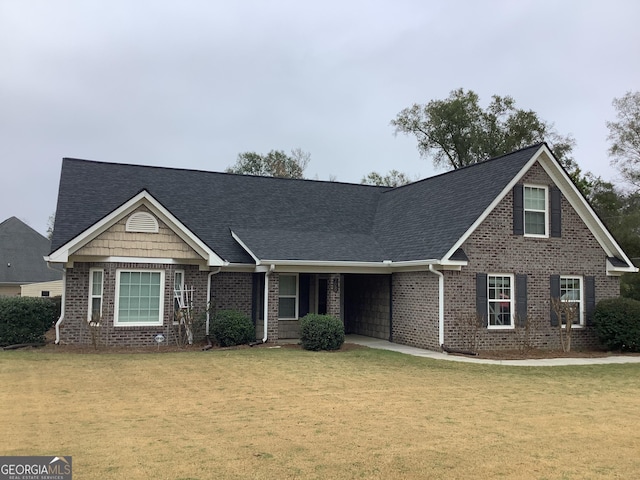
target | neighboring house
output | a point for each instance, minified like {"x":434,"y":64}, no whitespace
{"x":42,"y":289}
{"x":22,"y":252}
{"x":415,"y":264}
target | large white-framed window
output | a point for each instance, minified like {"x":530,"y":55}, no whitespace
{"x":288,"y":296}
{"x":536,"y":211}
{"x":571,"y":291}
{"x":139,"y":299}
{"x":96,"y":288}
{"x":178,"y":293}
{"x":501,"y":301}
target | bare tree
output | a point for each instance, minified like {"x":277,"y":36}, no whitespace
{"x":566,"y":312}
{"x":624,"y":135}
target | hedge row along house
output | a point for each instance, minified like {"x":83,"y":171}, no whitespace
{"x":492,"y":242}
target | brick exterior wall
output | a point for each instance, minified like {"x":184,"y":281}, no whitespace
{"x":493,"y":249}
{"x":333,"y":295}
{"x":230,"y":290}
{"x":415,"y":309}
{"x":272,"y":309}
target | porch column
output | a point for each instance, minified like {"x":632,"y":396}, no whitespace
{"x":333,"y":295}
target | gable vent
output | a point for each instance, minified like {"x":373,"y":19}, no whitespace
{"x":142,"y":222}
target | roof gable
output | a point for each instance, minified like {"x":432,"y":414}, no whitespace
{"x":21,"y":254}
{"x":62,"y":253}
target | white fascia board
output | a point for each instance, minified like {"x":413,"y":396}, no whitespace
{"x":384,"y":267}
{"x":495,"y":202}
{"x":245,"y":247}
{"x":61,"y":255}
{"x":582,"y":207}
{"x":617,"y":271}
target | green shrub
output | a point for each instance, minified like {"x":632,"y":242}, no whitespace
{"x":26,"y":319}
{"x":230,"y":327}
{"x":617,"y":324}
{"x":321,"y":332}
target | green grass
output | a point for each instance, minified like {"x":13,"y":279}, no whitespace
{"x":286,"y":413}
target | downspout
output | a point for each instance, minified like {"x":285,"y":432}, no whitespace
{"x":211,"y":274}
{"x":266,"y":302}
{"x":440,"y":304}
{"x":62,"y":301}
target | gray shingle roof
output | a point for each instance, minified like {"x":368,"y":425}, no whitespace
{"x":21,"y":254}
{"x":425,"y":219}
{"x":284,"y":219}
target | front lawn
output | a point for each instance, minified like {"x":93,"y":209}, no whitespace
{"x":287,"y":413}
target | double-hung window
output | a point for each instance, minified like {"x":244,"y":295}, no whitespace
{"x":571,"y":291}
{"x":288,"y":297}
{"x":96,"y":281}
{"x":139,"y":297}
{"x":500,"y":301}
{"x":535,"y":211}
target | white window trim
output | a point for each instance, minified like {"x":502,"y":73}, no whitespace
{"x":525,"y":210}
{"x":297,"y":296}
{"x":176,"y":271}
{"x":160,"y":321}
{"x":92,"y":296}
{"x":581,"y":302}
{"x":512,"y":302}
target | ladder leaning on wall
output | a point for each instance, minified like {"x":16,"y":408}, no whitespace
{"x":184,"y":313}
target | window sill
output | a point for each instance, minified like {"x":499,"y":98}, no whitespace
{"x":124,"y":325}
{"x":531,"y":235}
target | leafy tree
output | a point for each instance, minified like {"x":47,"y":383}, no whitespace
{"x":620,"y":213}
{"x":276,"y":163}
{"x":457,"y":131}
{"x":392,"y":179}
{"x":624,"y":135}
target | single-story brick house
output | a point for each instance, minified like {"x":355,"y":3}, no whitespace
{"x":413,"y":264}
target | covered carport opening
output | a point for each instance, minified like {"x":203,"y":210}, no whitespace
{"x":367,"y":305}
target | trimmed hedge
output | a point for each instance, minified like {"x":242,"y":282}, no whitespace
{"x":26,"y":319}
{"x":321,"y":332}
{"x":617,"y":324}
{"x":230,"y":327}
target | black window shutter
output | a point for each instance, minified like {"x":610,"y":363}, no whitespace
{"x":555,"y":293}
{"x":521,"y":299}
{"x":590,"y":298}
{"x":518,"y":210}
{"x":481,"y":297}
{"x":556,"y":212}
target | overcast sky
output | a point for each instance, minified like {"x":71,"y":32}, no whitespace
{"x":191,"y":84}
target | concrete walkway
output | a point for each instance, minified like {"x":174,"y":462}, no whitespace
{"x":543,"y":362}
